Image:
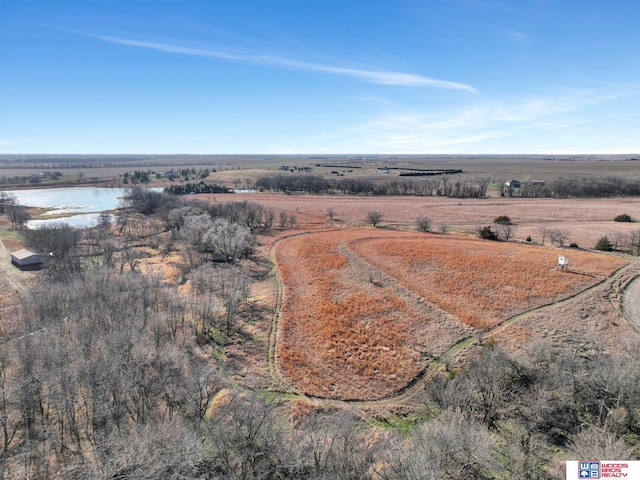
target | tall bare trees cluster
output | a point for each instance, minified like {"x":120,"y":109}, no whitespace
{"x":441,"y":185}
{"x":574,"y":187}
{"x":109,"y":380}
{"x":578,"y":399}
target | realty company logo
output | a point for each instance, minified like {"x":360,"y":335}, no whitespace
{"x":588,"y":469}
{"x":602,"y":469}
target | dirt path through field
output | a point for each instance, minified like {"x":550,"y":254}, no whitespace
{"x":631,"y":303}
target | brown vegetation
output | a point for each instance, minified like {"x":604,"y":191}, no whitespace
{"x":348,"y":332}
{"x":482,"y":282}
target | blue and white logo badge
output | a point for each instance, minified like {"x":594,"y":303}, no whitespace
{"x":588,"y":469}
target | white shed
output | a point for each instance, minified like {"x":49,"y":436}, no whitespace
{"x":27,"y":260}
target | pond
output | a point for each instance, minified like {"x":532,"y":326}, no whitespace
{"x":79,"y":206}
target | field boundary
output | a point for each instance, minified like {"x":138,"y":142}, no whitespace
{"x":277,"y":378}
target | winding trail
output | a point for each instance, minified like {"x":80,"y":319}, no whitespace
{"x":624,"y":294}
{"x":631,"y":302}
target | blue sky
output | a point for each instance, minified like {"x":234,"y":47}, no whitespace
{"x":320,"y":76}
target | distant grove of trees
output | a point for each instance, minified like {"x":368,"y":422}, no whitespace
{"x":315,"y":184}
{"x":447,"y":186}
{"x":575,"y":187}
{"x":189,"y":188}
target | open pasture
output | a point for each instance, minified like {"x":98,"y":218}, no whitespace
{"x":365,"y":311}
{"x":344,"y":332}
{"x":482,"y":282}
{"x":585,"y":220}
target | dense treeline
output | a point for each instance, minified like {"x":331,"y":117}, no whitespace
{"x":446,"y":186}
{"x":294,"y":184}
{"x":418,"y":172}
{"x":575,"y":187}
{"x":314,"y":184}
{"x":189,"y":188}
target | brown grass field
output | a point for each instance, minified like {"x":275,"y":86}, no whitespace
{"x":481,"y":282}
{"x":365,"y":311}
{"x":485,"y":296}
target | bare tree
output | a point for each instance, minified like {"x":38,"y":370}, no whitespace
{"x":131,"y":257}
{"x":232,"y":289}
{"x":333,"y":446}
{"x":227,"y":242}
{"x":60,"y":244}
{"x":543,"y":230}
{"x":558,"y":236}
{"x":504,"y":227}
{"x":7,"y":200}
{"x":283,"y":219}
{"x":331,"y":213}
{"x":248,"y":438}
{"x":634,"y":242}
{"x":452,"y":446}
{"x":423,"y":223}
{"x":592,"y":442}
{"x":18,"y":215}
{"x":374,"y":217}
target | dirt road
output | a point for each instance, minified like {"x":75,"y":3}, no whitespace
{"x":11,"y":279}
{"x":631,"y":303}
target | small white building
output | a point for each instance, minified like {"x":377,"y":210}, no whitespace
{"x":27,"y":260}
{"x":563,"y":262}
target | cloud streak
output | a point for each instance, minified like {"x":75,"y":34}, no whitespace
{"x":384,"y":77}
{"x":489,"y":126}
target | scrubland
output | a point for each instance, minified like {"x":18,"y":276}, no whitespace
{"x":283,"y":336}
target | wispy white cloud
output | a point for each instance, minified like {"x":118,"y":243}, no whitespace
{"x":488,"y":126}
{"x":491,"y":119}
{"x":518,"y":36}
{"x":384,"y":77}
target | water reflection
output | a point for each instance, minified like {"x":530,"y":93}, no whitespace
{"x":88,"y":201}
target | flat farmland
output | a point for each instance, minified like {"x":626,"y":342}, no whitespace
{"x":231,"y":167}
{"x":585,"y":220}
{"x":365,"y":311}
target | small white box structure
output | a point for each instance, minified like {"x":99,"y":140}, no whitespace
{"x":563,"y":262}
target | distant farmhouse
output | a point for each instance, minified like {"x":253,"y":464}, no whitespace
{"x":27,"y":260}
